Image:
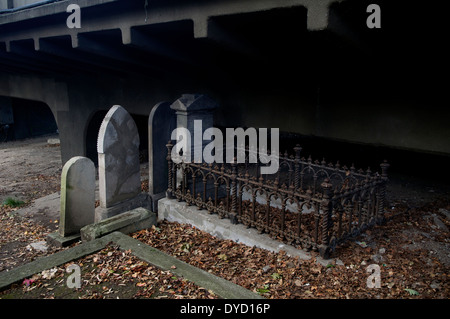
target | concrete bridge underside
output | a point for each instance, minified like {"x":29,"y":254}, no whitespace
{"x":306,"y":66}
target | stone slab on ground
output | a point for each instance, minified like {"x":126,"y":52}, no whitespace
{"x":42,"y":209}
{"x":439,"y":223}
{"x":53,"y":141}
{"x":445,"y":212}
{"x":128,"y":222}
{"x":219,"y":286}
{"x":39,"y":246}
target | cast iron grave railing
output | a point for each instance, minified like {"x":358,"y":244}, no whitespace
{"x":308,"y":204}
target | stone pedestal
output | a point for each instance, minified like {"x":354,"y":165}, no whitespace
{"x":141,"y":200}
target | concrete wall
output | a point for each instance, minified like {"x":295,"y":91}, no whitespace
{"x":400,"y":115}
{"x":20,"y":3}
{"x":8,"y":4}
{"x":261,"y":69}
{"x":6,"y":113}
{"x":330,"y":112}
{"x":73,"y":103}
{"x":398,"y":122}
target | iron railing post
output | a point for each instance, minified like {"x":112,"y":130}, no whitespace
{"x":297,"y":150}
{"x":324,"y":248}
{"x":170,"y":186}
{"x":382,"y":192}
{"x":321,"y":230}
{"x":233,"y":210}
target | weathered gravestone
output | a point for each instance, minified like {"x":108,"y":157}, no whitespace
{"x":195,"y":107}
{"x":189,"y":109}
{"x":161,"y":123}
{"x":118,"y":165}
{"x":77,"y":200}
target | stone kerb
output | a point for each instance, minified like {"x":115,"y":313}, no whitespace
{"x":118,"y":164}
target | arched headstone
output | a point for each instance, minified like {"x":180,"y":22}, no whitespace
{"x":77,"y":195}
{"x":161,"y":122}
{"x":118,"y":163}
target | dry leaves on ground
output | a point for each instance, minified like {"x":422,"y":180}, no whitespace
{"x":111,"y":273}
{"x":405,"y":272}
{"x":16,"y":233}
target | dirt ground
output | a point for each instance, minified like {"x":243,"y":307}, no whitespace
{"x":29,"y":169}
{"x":415,"y":246}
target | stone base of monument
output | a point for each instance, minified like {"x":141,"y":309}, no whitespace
{"x":155,"y":198}
{"x":141,"y":200}
{"x":128,"y":222}
{"x":55,"y":239}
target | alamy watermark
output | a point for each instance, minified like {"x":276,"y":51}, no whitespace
{"x":374,"y":19}
{"x":191,"y":147}
{"x":73,"y":21}
{"x":374,"y":279}
{"x":74,"y":280}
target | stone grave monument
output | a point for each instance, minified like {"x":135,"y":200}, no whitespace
{"x":118,"y":165}
{"x":77,"y":200}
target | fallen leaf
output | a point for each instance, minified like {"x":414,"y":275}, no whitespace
{"x":276,"y":275}
{"x":363,"y":244}
{"x":222,"y":256}
{"x":412,"y":292}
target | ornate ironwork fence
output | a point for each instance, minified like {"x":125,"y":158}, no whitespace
{"x":308,"y":204}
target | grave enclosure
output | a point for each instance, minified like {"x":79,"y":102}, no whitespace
{"x":307,"y":204}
